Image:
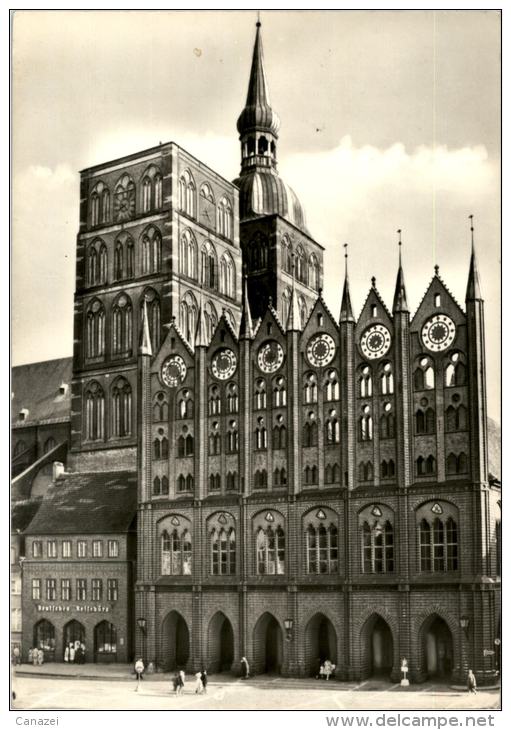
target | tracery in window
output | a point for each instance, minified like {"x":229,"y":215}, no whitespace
{"x":187,"y":193}
{"x":270,"y":551}
{"x":188,"y":254}
{"x":121,"y":408}
{"x":95,"y":329}
{"x":94,"y":398}
{"x":122,"y":325}
{"x":310,"y":388}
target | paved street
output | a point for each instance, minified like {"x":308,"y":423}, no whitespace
{"x":231,"y":694}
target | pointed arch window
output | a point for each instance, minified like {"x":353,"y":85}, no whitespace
{"x":365,"y":471}
{"x":215,"y":483}
{"x":456,"y":464}
{"x":161,"y":448}
{"x":286,"y":303}
{"x":455,"y":372}
{"x":185,"y":444}
{"x":310,"y":476}
{"x":310,"y":388}
{"x":215,"y":401}
{"x":119,"y":261}
{"x":231,"y":481}
{"x":261,"y":437}
{"x":438,"y":545}
{"x":279,"y":437}
{"x":215,"y":443}
{"x":100,"y":204}
{"x":270,"y":551}
{"x":366,"y":425}
{"x":227,"y":277}
{"x":188,"y":316}
{"x":387,"y":426}
{"x":310,"y":432}
{"x":232,"y":398}
{"x":92,"y":265}
{"x":280,"y":477}
{"x":176,"y":552}
{"x":425,"y":466}
{"x":225,"y":218}
{"x":300,"y":265}
{"x":332,"y":430}
{"x":386,"y":380}
{"x":424,"y":375}
{"x":211,"y":319}
{"x":223,"y":551}
{"x":232,"y":438}
{"x":187,"y":194}
{"x":121,"y":408}
{"x":94,"y":412}
{"x":151,"y":251}
{"x":322,"y":549}
{"x":456,"y":418}
{"x":209,"y":276}
{"x":331,"y":386}
{"x":146,"y":195}
{"x":279,"y":392}
{"x":188,"y":255}
{"x":124,"y":199}
{"x":377,"y":547}
{"x":184,"y":405}
{"x":122,"y":326}
{"x":260,"y":395}
{"x":332,"y":474}
{"x":287,"y":255}
{"x":103,"y":265}
{"x":160,"y":408}
{"x":365,"y":382}
{"x":261,"y":479}
{"x":153,"y":316}
{"x":313,"y":272}
{"x":95,"y":335}
{"x":388,"y":469}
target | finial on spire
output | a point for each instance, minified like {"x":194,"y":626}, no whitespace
{"x":437,"y":269}
{"x":399,"y":243}
{"x":258,"y":24}
{"x":473,"y":285}
{"x":346,"y":309}
{"x":373,"y":281}
{"x":471,"y":216}
{"x":400,"y":303}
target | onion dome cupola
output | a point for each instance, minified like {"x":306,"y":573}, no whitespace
{"x":262,"y":191}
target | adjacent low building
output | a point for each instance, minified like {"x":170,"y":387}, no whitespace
{"x":79,"y":567}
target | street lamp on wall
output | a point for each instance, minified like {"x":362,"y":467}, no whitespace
{"x":465,"y":624}
{"x":288,"y":625}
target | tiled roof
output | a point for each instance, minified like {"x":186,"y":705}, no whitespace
{"x":35,"y":388}
{"x":22,"y":513}
{"x":88,"y":503}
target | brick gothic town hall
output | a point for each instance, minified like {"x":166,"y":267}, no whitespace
{"x":247,"y":474}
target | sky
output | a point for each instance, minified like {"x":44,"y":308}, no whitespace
{"x":390,"y":119}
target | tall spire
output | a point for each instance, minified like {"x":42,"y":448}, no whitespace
{"x":246,"y":329}
{"x":145,"y":347}
{"x":201,"y":335}
{"x":293,"y":318}
{"x":473,"y":284}
{"x":346,"y":309}
{"x":400,"y":303}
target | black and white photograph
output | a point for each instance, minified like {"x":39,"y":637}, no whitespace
{"x":255,"y":384}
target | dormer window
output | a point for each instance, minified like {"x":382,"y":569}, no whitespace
{"x":23,"y":414}
{"x":437,"y":300}
{"x":63,"y":388}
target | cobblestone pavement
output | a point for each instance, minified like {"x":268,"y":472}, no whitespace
{"x":277,"y":693}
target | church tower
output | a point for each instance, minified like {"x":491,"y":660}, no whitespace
{"x":273,"y":232}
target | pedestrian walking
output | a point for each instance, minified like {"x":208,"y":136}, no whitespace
{"x":176,"y":682}
{"x":72,"y":652}
{"x":471,"y":682}
{"x":82,"y":647}
{"x":204,"y":677}
{"x":40,"y":657}
{"x":245,"y":669}
{"x":35,"y":653}
{"x":30,"y":655}
{"x":182,"y":677}
{"x":66,"y":653}
{"x":139,"y":671}
{"x":198,"y":683}
{"x":328,"y":669}
{"x":16,"y":655}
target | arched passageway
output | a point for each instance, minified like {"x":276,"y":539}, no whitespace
{"x":377,"y":648}
{"x":220,"y":644}
{"x":437,"y":649}
{"x":320,"y":643}
{"x":268,"y":646}
{"x":44,"y":638}
{"x":175,"y":646}
{"x":74,"y":632}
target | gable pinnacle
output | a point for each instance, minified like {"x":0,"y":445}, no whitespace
{"x":145,"y":337}
{"x":346,"y":309}
{"x":400,"y":303}
{"x":293,"y":319}
{"x":246,"y":326}
{"x":201,"y":335}
{"x":473,"y":284}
